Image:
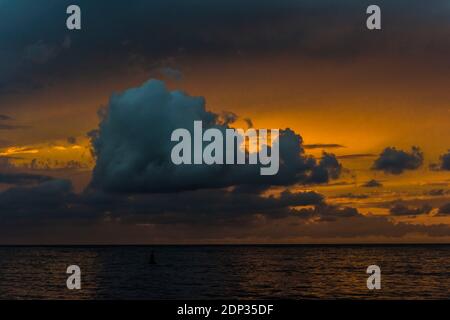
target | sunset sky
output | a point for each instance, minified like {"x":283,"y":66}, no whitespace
{"x":378,"y":102}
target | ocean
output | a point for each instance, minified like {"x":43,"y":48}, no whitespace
{"x":226,"y":272}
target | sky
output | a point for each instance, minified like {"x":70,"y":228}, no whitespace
{"x":86,"y":117}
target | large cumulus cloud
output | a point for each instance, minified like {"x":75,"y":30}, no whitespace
{"x":395,"y":161}
{"x":133,"y":147}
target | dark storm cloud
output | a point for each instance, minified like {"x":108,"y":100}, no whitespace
{"x":400,"y":209}
{"x":115,"y":35}
{"x":221,"y":207}
{"x":55,"y":199}
{"x":372,"y":184}
{"x":201,"y":214}
{"x":133,"y":147}
{"x":396,"y":161}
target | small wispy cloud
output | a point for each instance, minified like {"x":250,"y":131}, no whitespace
{"x":323,"y":146}
{"x":356,"y":156}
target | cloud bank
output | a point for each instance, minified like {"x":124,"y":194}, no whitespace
{"x":132,"y":147}
{"x":40,"y":211}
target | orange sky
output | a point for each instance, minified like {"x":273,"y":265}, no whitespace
{"x":358,"y":105}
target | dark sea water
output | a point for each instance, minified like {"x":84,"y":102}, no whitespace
{"x":226,"y":272}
